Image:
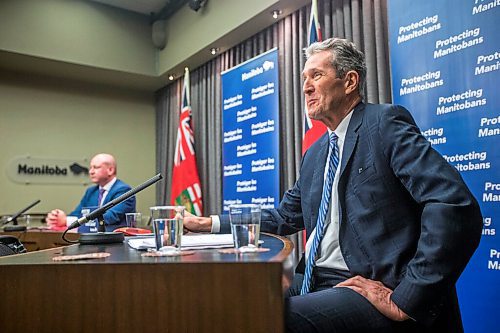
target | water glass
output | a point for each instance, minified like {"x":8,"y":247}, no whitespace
{"x":245,"y":226}
{"x":167,"y":226}
{"x":133,"y":219}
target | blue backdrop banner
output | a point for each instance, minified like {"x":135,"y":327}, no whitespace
{"x":445,"y":66}
{"x":250,"y":115}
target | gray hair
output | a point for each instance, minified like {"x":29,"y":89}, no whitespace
{"x":345,"y":57}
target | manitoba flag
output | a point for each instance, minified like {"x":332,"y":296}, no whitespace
{"x":186,"y":189}
{"x":313,"y":129}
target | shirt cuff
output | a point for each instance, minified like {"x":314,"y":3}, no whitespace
{"x":70,"y":220}
{"x":215,"y":224}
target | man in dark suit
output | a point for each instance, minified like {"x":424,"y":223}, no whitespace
{"x":397,"y":223}
{"x":102,"y":173}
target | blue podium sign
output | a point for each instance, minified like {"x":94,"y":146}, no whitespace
{"x":250,"y":149}
{"x":445,"y":66}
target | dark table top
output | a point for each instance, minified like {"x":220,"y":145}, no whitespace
{"x":121,"y":253}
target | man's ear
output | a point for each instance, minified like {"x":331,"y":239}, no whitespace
{"x":351,"y":82}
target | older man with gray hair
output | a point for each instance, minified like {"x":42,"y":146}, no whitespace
{"x":390,"y":224}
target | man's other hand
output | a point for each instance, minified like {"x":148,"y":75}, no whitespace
{"x":56,"y":219}
{"x":195,"y":223}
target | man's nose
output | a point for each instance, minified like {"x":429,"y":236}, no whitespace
{"x":307,"y":87}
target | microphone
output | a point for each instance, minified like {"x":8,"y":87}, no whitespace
{"x":97,"y":238}
{"x":14,"y":217}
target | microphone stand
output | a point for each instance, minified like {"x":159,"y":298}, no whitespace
{"x":103,"y":237}
{"x":13,"y":219}
{"x":101,"y":226}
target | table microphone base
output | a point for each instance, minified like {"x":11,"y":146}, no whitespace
{"x":101,"y":238}
{"x":13,"y":228}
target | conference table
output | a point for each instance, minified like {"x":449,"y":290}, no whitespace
{"x":209,"y":290}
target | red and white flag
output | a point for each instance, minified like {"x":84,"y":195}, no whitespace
{"x":186,"y":189}
{"x":313,"y":129}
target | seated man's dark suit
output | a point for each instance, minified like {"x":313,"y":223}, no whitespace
{"x":114,"y":217}
{"x":406,"y":217}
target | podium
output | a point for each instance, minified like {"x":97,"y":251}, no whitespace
{"x":208,"y":291}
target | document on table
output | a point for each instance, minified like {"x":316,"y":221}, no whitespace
{"x":190,"y":241}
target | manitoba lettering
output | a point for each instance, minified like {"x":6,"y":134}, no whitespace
{"x":41,"y":170}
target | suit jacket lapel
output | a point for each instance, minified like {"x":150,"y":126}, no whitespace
{"x":318,"y":179}
{"x":319,"y":168}
{"x":94,"y":194}
{"x":352,"y":135}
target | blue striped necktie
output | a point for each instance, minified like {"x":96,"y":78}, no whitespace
{"x":323,"y":210}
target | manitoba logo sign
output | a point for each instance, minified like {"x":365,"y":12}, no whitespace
{"x":40,"y":170}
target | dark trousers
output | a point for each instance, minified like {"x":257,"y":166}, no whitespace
{"x":329,"y":309}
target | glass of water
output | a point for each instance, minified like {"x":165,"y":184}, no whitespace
{"x":133,"y":219}
{"x":167,"y":227}
{"x":245,"y":226}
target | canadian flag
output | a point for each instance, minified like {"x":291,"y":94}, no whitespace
{"x":186,"y":188}
{"x":313,"y":129}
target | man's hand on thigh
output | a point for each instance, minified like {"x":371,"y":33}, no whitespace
{"x":377,"y":294}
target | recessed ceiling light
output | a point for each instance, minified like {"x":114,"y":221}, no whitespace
{"x":276,"y":13}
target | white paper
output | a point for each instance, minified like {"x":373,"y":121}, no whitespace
{"x":190,"y":241}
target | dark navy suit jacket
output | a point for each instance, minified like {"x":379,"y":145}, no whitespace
{"x":114,"y":217}
{"x":406,"y":217}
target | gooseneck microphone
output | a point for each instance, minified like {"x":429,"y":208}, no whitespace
{"x":107,"y":237}
{"x":14,"y":217}
{"x":101,"y":210}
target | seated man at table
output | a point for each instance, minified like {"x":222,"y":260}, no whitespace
{"x":102,"y":173}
